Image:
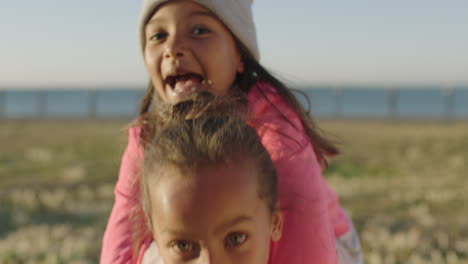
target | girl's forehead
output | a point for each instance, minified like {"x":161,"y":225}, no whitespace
{"x":211,"y":178}
{"x":232,"y":184}
{"x":210,"y":195}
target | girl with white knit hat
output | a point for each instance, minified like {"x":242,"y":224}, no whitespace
{"x":209,"y":46}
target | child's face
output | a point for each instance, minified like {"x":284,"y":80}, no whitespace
{"x":188,"y":50}
{"x":212,"y":215}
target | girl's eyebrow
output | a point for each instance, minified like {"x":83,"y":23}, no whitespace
{"x":235,"y":221}
{"x":156,"y":20}
{"x":174,"y":232}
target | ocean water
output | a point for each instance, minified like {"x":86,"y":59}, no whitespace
{"x":430,"y":102}
{"x":70,"y":103}
{"x":323,"y":102}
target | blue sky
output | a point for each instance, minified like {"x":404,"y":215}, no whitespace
{"x":92,"y":43}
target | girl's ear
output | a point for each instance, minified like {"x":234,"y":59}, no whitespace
{"x":276,"y":225}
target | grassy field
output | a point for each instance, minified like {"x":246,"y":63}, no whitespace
{"x":404,"y":183}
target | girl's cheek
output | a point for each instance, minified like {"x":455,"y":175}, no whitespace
{"x":149,"y":59}
{"x":152,"y":62}
{"x":150,"y":55}
{"x":207,"y":46}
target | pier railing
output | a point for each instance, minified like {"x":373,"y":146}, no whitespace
{"x":325,"y":102}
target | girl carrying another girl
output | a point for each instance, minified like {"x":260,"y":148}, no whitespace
{"x":190,"y":47}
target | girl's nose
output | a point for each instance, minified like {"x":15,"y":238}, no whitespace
{"x":211,"y":258}
{"x":175,"y":48}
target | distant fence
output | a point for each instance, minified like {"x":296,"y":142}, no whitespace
{"x":325,"y":102}
{"x":77,"y":103}
{"x":391,"y":103}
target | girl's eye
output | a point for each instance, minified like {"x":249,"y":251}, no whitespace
{"x":200,"y":30}
{"x":235,"y":239}
{"x":158,"y":36}
{"x":186,"y":249}
{"x":184,"y":246}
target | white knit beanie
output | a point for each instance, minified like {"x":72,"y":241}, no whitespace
{"x":235,"y":14}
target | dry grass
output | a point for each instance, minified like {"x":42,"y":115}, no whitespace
{"x":406,"y":187}
{"x":405,"y":184}
{"x":56,"y":189}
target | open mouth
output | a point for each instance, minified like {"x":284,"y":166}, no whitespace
{"x":185,"y":78}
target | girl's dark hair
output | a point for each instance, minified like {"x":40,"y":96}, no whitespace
{"x":254,"y":73}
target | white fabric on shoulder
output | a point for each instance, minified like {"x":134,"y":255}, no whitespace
{"x":348,"y":248}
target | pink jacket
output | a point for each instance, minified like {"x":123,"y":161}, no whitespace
{"x":312,"y":214}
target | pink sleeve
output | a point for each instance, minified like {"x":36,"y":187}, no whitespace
{"x":305,"y":199}
{"x":307,"y":235}
{"x":117,"y":240}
